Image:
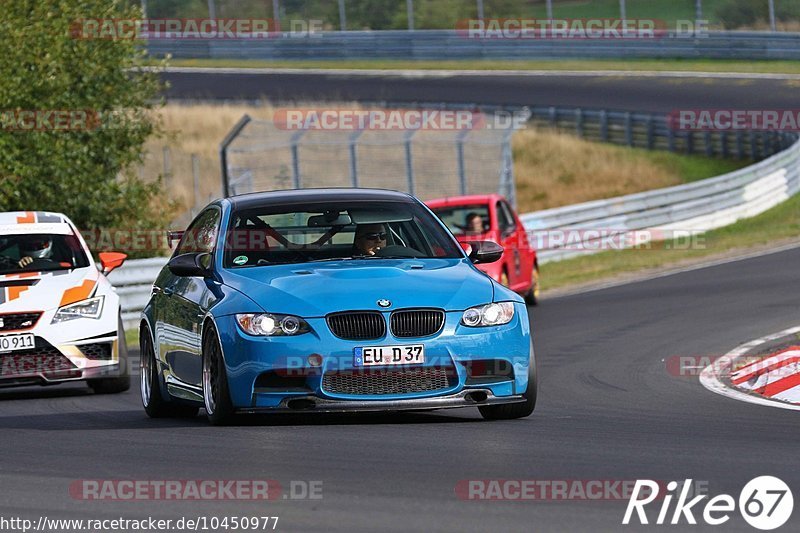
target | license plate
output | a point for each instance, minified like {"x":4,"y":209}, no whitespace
{"x":389,"y":355}
{"x":11,"y":343}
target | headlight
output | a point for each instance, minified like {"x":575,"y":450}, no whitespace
{"x":91,"y":308}
{"x":495,"y":314}
{"x":272,"y":325}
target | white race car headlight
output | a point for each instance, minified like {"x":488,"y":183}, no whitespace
{"x":272,"y":325}
{"x":494,"y":314}
{"x":91,"y":308}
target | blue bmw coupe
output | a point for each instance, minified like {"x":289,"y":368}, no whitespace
{"x":331,"y":300}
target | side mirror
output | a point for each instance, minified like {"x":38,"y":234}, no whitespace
{"x":484,"y":252}
{"x":111,"y":261}
{"x":191,"y":265}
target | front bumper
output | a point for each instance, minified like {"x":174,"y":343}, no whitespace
{"x":465,"y":398}
{"x":48,"y":364}
{"x":454,"y":349}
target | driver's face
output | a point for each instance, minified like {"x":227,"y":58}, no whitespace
{"x":370,"y":239}
{"x":34,"y":244}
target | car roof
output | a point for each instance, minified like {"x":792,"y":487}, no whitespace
{"x":464,"y":200}
{"x":32,"y":217}
{"x":300,"y":196}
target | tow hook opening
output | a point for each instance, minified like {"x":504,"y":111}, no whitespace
{"x":301,"y":404}
{"x":477,"y":396}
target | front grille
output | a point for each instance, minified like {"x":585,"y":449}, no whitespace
{"x":37,"y":361}
{"x":99,"y":351}
{"x":417,"y":322}
{"x":19,"y":321}
{"x":357,"y":326}
{"x":379,"y":382}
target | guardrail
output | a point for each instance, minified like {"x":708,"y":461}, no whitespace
{"x":452,"y":44}
{"x":691,"y":208}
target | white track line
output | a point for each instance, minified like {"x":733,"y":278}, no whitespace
{"x":442,"y":73}
{"x":709,"y":378}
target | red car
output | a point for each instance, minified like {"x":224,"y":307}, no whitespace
{"x":490,"y":217}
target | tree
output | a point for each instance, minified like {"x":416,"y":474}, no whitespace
{"x":85,"y":172}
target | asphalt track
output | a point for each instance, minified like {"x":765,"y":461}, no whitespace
{"x":608,"y":410}
{"x":656,"y":94}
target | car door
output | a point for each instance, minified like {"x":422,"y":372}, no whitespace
{"x":507,"y":228}
{"x":185,"y":301}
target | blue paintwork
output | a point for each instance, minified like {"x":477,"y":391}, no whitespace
{"x":312,"y":291}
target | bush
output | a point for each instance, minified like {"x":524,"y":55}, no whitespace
{"x":85,"y":173}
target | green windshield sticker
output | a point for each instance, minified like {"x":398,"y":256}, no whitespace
{"x":241,"y":260}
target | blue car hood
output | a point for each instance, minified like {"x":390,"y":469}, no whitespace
{"x":316,"y":289}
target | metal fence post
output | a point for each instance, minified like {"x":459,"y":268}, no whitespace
{"x":354,"y":157}
{"x":689,"y":142}
{"x":167,"y":167}
{"x":670,"y":139}
{"x":276,"y":14}
{"x":196,"y":183}
{"x":709,"y":146}
{"x":507,"y":176}
{"x":223,"y":152}
{"x":628,"y":129}
{"x":410,"y":14}
{"x":409,"y":161}
{"x":342,"y":16}
{"x":462,"y":174}
{"x":739,"y":144}
{"x":579,"y":122}
{"x":553,"y":116}
{"x":753,"y":146}
{"x":723,"y":140}
{"x":296,"y":182}
{"x":604,"y":125}
{"x":650,"y":132}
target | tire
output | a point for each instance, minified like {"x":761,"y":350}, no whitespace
{"x":532,"y":296}
{"x":150,"y":384}
{"x":123,"y":381}
{"x":510,"y":411}
{"x":216,"y":394}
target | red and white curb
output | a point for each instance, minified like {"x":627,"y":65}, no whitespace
{"x":772,"y":381}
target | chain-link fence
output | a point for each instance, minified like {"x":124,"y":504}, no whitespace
{"x":260,"y":155}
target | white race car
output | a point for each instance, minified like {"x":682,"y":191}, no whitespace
{"x":59,"y":315}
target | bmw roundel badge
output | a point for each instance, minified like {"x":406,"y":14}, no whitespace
{"x":384,"y":303}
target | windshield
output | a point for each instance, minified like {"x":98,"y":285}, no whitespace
{"x":333,"y":231}
{"x":40,"y":252}
{"x":465,"y":219}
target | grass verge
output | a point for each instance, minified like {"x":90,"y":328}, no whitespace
{"x":686,"y":65}
{"x":780,"y":222}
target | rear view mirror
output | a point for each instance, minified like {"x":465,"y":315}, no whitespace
{"x":329,"y":219}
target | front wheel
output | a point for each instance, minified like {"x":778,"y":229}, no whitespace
{"x":216,"y":394}
{"x":150,"y":384}
{"x":532,"y":296}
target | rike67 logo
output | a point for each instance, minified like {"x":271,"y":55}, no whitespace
{"x":765,"y":503}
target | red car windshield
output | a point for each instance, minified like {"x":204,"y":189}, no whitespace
{"x":465,"y":219}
